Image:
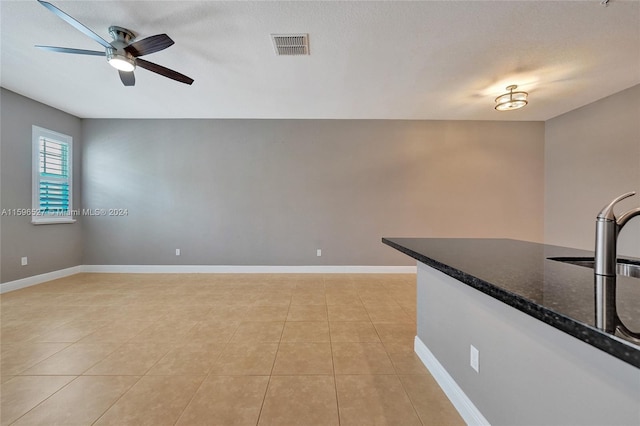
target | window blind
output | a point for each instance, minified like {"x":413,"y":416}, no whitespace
{"x":54,"y":176}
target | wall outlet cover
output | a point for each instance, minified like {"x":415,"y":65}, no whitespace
{"x":177,"y":252}
{"x":319,"y":252}
{"x":24,"y":261}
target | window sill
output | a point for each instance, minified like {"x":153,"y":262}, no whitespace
{"x":51,"y":220}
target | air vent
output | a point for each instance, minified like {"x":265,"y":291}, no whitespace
{"x":291,"y":44}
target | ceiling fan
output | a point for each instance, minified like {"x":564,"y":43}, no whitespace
{"x":123,"y":53}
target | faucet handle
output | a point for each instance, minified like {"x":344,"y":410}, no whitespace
{"x":607,"y":211}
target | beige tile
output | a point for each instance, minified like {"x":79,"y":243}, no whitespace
{"x":73,"y":360}
{"x":395,"y":331}
{"x":300,"y":400}
{"x":303,"y":358}
{"x":212,"y":332}
{"x":377,"y":297}
{"x":341,"y":282}
{"x":307,"y":313}
{"x":153,"y":400}
{"x":309,"y":282}
{"x":226,"y":400}
{"x":81,"y":402}
{"x":22,"y":393}
{"x":347,"y":313}
{"x":17,"y":358}
{"x":411,"y":313}
{"x":227,"y":313}
{"x":248,"y":358}
{"x":353,"y":331}
{"x":387,"y":313}
{"x":306,"y":331}
{"x":374,"y":400}
{"x":22,"y":331}
{"x":432,"y":405}
{"x":348,"y":298}
{"x":266,"y":313}
{"x":188,"y":359}
{"x":361,"y":358}
{"x":165,"y":332}
{"x":130,"y":359}
{"x":404,"y":359}
{"x":71,"y":331}
{"x":272,"y":299}
{"x":258,"y":331}
{"x":308,"y":298}
{"x":119,"y":332}
{"x":187,"y":313}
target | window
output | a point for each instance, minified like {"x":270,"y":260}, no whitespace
{"x":52,"y":172}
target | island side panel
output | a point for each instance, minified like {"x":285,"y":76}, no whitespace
{"x":530,"y":373}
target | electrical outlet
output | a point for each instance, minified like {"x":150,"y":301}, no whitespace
{"x":474,"y":358}
{"x":319,"y":252}
{"x":177,"y":252}
{"x":24,"y":261}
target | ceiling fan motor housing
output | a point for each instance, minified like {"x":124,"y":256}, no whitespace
{"x":120,"y":34}
{"x":116,"y":55}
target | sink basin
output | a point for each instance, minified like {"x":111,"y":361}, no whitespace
{"x":625,"y":267}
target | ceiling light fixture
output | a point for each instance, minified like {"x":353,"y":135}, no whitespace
{"x":122,"y":62}
{"x":512,"y":100}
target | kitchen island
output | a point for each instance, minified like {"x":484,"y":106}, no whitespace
{"x":542,"y":359}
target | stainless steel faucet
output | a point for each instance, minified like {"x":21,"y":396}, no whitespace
{"x":608,"y":227}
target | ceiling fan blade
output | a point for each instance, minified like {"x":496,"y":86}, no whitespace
{"x":159,"y":69}
{"x":75,"y":24}
{"x":70,"y":50}
{"x":127,"y":78}
{"x":149,"y":45}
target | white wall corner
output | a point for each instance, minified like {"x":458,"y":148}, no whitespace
{"x":469,"y":412}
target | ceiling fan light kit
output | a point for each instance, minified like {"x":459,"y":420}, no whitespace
{"x":120,"y":62}
{"x":123,"y":53}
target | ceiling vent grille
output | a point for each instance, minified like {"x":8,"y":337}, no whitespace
{"x":291,"y":44}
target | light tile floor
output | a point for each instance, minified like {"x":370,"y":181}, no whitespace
{"x":223,"y":349}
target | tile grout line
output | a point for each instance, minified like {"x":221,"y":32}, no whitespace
{"x":415,"y":410}
{"x":266,"y":390}
{"x":116,"y":400}
{"x":41,"y":402}
{"x":201,"y":383}
{"x":333,"y":364}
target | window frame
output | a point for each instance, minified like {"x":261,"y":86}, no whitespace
{"x":37,"y":216}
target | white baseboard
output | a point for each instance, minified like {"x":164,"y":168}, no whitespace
{"x":38,"y":279}
{"x":204,"y":269}
{"x":248,"y":269}
{"x":469,"y":412}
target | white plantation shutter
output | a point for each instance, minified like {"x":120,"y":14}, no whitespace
{"x":54,"y":176}
{"x":52,"y":164}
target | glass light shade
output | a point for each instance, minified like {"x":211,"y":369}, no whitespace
{"x":120,"y":62}
{"x":512,"y":100}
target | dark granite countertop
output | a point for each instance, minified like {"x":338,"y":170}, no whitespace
{"x":521,"y":275}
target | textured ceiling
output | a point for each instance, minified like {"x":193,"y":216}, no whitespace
{"x":369,"y":60}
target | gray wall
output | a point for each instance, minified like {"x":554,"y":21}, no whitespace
{"x":270,"y":192}
{"x":48,"y":247}
{"x":530,"y":373}
{"x":592,"y":155}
